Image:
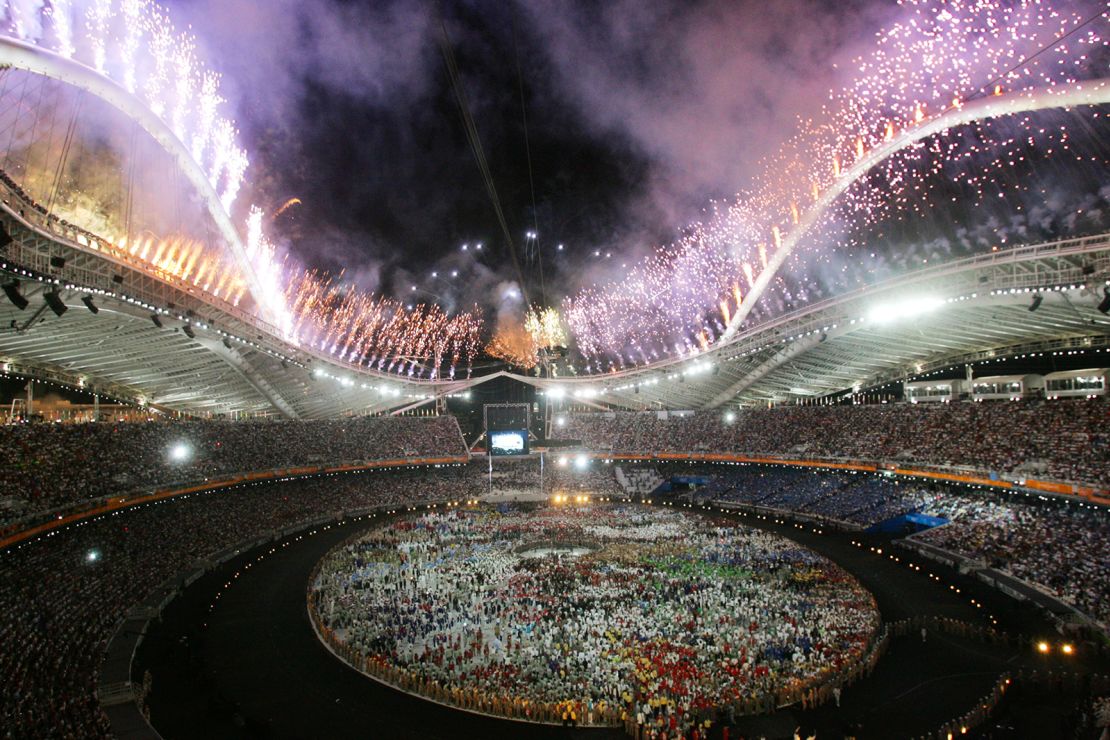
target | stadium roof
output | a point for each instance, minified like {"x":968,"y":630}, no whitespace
{"x":954,"y":313}
{"x":203,"y":355}
{"x":87,"y":314}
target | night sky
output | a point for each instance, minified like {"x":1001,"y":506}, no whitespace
{"x":639,"y":114}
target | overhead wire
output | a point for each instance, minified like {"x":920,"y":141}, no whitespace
{"x":476,"y":147}
{"x":528,"y":157}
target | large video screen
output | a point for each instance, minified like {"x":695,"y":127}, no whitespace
{"x":508,"y":442}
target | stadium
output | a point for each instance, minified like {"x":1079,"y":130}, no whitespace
{"x":478,"y":370}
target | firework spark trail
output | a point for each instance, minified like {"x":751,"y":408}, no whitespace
{"x":682,"y":299}
{"x":135,"y":43}
{"x":939,"y":57}
{"x":59,"y":14}
{"x":521,"y":344}
{"x":378,"y":332}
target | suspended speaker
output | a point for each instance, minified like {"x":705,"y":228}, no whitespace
{"x":11,"y":290}
{"x":55,"y":302}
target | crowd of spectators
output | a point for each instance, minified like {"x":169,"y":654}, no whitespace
{"x":665,"y":618}
{"x":61,"y":597}
{"x":594,"y":479}
{"x":45,"y":466}
{"x":638,"y":480}
{"x":1060,"y":547}
{"x":848,"y":497}
{"x":1065,"y":440}
{"x":1055,"y":544}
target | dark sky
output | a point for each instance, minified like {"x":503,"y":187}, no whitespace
{"x":637,"y":115}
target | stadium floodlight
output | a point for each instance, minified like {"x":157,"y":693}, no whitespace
{"x":581,"y":462}
{"x":556,"y":391}
{"x":92,"y":556}
{"x":888,"y":313}
{"x":180,"y":452}
{"x":730,"y":417}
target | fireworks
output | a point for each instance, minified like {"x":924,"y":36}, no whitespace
{"x":379,"y":333}
{"x":134,"y":43}
{"x":179,"y":259}
{"x":545,"y":327}
{"x":688,"y":295}
{"x":515,"y":345}
{"x":522,"y":345}
{"x":860,"y":162}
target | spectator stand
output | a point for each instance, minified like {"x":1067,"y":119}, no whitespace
{"x":118,"y":696}
{"x":1066,"y":438}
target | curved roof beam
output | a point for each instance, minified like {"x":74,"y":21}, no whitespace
{"x":1091,"y":92}
{"x":34,"y":59}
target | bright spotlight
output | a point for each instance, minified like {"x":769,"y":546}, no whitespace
{"x":581,"y":461}
{"x":1067,"y":649}
{"x":1042,"y":647}
{"x":556,"y":391}
{"x":730,"y":417}
{"x":92,"y":556}
{"x":888,"y":313}
{"x":179,"y":452}
{"x":562,"y":462}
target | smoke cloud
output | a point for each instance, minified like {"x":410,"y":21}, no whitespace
{"x":640,"y":115}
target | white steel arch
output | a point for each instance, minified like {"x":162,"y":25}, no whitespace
{"x":1092,"y":92}
{"x":34,"y":59}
